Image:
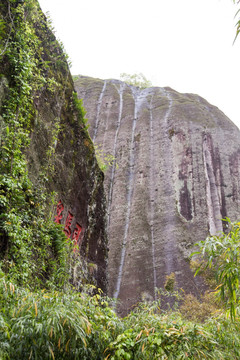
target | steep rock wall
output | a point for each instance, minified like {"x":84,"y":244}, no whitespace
{"x":60,"y":156}
{"x":175,"y":175}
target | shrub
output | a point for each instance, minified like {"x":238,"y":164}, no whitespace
{"x":199,"y":310}
{"x":222,"y":254}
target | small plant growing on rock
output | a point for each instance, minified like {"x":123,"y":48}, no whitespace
{"x":104,"y":160}
{"x":170,"y":282}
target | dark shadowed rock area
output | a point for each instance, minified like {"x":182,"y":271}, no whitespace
{"x":175,"y":175}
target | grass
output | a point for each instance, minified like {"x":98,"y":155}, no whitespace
{"x":58,"y":325}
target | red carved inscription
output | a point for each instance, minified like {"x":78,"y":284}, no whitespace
{"x":60,"y":209}
{"x":67,"y":228}
{"x":76,"y":234}
{"x":68,"y":224}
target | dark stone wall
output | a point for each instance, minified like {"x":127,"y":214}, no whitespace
{"x":175,"y":175}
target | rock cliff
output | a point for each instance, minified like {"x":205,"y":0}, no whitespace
{"x":42,"y":125}
{"x":175,"y":175}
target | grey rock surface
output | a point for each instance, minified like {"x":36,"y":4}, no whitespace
{"x":175,"y":175}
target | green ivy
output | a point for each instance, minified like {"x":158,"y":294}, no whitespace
{"x":34,"y":249}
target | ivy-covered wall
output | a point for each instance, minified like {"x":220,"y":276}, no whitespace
{"x":50,"y":183}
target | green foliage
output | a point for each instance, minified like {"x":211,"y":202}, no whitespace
{"x":104,"y":160}
{"x":170,"y":282}
{"x":2,"y":29}
{"x":57,"y":325}
{"x":199,"y":310}
{"x":53,"y":325}
{"x":33,"y":248}
{"x":48,"y":324}
{"x":151,"y":334}
{"x":80,"y":110}
{"x":222,"y":254}
{"x":203,"y":270}
{"x":43,"y":325}
{"x":138,"y":80}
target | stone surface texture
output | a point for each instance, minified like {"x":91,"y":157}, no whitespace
{"x":175,"y":175}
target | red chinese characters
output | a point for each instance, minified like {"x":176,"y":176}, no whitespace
{"x":68,"y":224}
{"x":75,"y":234}
{"x":60,"y":209}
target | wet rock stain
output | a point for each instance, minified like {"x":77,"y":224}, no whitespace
{"x":178,"y":176}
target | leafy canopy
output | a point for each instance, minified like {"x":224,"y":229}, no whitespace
{"x":138,"y":80}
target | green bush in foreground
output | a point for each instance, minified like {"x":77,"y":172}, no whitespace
{"x":54,"y":325}
{"x":222,"y":254}
{"x":59,"y":325}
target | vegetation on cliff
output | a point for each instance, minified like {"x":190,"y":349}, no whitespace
{"x":40,"y":317}
{"x":138,"y":80}
{"x":34,"y":249}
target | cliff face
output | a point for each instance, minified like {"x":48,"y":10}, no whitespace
{"x":39,"y":110}
{"x":175,"y":175}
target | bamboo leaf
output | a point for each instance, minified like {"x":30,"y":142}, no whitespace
{"x":52,"y":353}
{"x":36,"y":310}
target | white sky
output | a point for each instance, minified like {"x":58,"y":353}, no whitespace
{"x":184,"y":44}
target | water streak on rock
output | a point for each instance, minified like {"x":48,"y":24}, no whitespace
{"x":135,"y":93}
{"x":170,"y":245}
{"x":152,"y":196}
{"x":170,"y":185}
{"x":214,"y":212}
{"x":98,"y":110}
{"x":113,"y":170}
